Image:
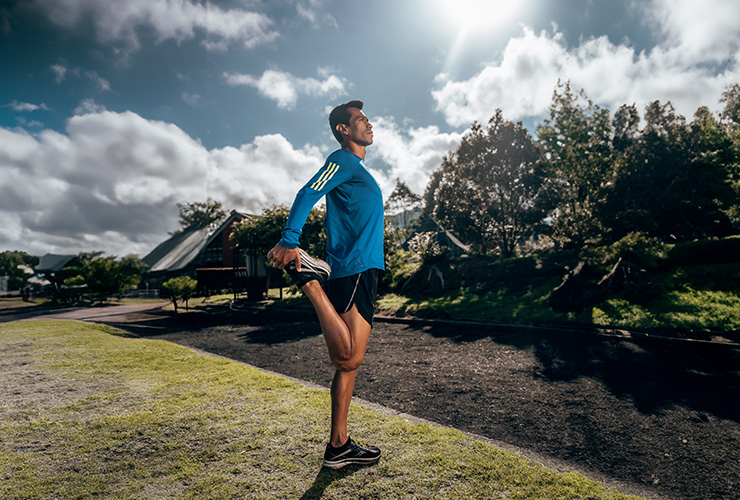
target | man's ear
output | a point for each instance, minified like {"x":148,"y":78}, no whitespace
{"x":342,"y":129}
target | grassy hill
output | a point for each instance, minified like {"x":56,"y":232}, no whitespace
{"x":636,"y":283}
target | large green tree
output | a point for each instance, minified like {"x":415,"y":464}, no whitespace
{"x":731,"y":117}
{"x":109,"y":276}
{"x":98,"y":277}
{"x":576,"y":143}
{"x":491,"y":190}
{"x":672,"y":178}
{"x":259,"y":234}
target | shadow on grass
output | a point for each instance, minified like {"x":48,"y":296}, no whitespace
{"x":325,"y":477}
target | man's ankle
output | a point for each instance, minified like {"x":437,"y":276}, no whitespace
{"x":342,"y":443}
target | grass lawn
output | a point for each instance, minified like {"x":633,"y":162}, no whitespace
{"x":90,"y":413}
{"x":16,"y":302}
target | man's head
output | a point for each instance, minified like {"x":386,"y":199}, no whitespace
{"x":341,"y":115}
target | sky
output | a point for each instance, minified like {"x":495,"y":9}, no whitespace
{"x":112,"y":113}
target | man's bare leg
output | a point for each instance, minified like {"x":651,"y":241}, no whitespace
{"x":346,"y":337}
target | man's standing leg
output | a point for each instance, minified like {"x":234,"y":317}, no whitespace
{"x":346,"y":337}
{"x":343,"y":384}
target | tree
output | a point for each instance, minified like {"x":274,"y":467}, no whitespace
{"x":427,"y":210}
{"x":258,"y":235}
{"x":709,"y":181}
{"x":13,"y":264}
{"x":107,"y":276}
{"x":576,"y":145}
{"x":731,"y":113}
{"x":198,"y":214}
{"x":491,"y":191}
{"x":98,"y":277}
{"x":731,"y":99}
{"x":672,"y":178}
{"x":403,"y":204}
{"x":182,"y":288}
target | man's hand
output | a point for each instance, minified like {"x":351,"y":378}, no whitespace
{"x":280,"y":257}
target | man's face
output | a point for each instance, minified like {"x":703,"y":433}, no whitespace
{"x":360,"y":130}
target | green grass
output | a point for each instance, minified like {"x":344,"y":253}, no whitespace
{"x":466,"y":303}
{"x":16,"y":302}
{"x":92,"y":414}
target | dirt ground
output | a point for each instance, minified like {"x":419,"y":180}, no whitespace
{"x":656,"y":418}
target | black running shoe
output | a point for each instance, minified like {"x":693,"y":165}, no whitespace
{"x":311,"y":269}
{"x":350,"y":453}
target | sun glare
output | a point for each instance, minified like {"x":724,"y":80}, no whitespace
{"x":471,"y":16}
{"x":472,"y":21}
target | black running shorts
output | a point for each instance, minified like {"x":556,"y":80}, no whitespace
{"x":359,"y":289}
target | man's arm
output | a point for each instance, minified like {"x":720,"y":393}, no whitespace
{"x":326,"y":179}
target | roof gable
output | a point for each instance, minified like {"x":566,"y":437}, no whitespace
{"x":51,"y":263}
{"x":183,"y":248}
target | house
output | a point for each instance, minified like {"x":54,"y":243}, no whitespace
{"x":208,"y":255}
{"x":51,"y":269}
{"x":50,"y":264}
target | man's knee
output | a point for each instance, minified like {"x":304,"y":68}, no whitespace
{"x":347,"y":364}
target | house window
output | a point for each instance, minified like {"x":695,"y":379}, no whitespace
{"x":214,"y":253}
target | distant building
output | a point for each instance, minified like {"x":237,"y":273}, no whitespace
{"x":208,"y":255}
{"x":50,"y":264}
{"x":52,"y":270}
{"x":51,"y":267}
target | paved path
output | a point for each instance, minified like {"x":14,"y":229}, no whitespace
{"x":107,"y":313}
{"x":103,"y":313}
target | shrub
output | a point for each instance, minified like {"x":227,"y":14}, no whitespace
{"x":182,"y":288}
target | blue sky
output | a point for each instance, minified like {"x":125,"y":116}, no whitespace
{"x":111,"y":113}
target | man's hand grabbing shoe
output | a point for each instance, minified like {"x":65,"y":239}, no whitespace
{"x":311,"y":269}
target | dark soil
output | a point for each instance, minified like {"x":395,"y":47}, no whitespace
{"x":655,"y":417}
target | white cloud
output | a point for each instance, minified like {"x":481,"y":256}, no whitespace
{"x":99,"y":81}
{"x":121,"y":22}
{"x":697,"y":32}
{"x":313,"y":12}
{"x":88,"y":106}
{"x":27,"y":106}
{"x":111,"y":182}
{"x":59,"y":71}
{"x":265,"y":172}
{"x":192,"y":99}
{"x":285,"y":88}
{"x":411,"y":153}
{"x":684,"y":69}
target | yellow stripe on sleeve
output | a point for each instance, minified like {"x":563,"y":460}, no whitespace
{"x":328,"y":178}
{"x":321,"y":178}
{"x":331,"y":169}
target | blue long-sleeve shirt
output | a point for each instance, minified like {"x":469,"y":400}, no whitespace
{"x":354,"y":214}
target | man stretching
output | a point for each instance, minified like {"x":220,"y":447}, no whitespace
{"x":346,"y":302}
